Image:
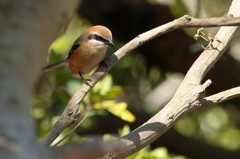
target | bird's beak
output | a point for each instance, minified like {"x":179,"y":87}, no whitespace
{"x":109,"y":43}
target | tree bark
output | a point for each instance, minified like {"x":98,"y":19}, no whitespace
{"x":27,"y":29}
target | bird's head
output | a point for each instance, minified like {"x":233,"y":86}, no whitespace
{"x":99,"y":36}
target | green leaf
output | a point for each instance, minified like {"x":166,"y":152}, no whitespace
{"x":125,"y":130}
{"x":117,"y":109}
{"x":73,"y":86}
{"x":38,"y":113}
{"x":120,"y":111}
{"x":113,"y":92}
{"x":105,"y":84}
{"x":160,"y":153}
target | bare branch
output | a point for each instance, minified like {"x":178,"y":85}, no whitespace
{"x":72,"y":130}
{"x":185,"y":96}
{"x":188,"y":92}
{"x":217,"y":98}
{"x":86,"y":150}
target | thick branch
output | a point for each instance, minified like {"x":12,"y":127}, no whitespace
{"x":185,"y":96}
{"x":86,"y":150}
{"x":191,"y":85}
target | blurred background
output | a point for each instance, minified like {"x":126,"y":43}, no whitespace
{"x":145,"y":80}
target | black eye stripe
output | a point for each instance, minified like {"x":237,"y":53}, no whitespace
{"x":97,"y":37}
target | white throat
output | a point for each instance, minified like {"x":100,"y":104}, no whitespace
{"x":97,"y":46}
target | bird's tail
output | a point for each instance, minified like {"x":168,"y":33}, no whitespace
{"x":54,"y":66}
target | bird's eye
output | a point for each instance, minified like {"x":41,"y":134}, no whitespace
{"x":92,"y":36}
{"x":97,"y":37}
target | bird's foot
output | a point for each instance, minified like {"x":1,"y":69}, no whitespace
{"x":85,"y":80}
{"x":103,"y":63}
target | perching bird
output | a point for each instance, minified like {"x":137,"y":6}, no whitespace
{"x":88,"y":50}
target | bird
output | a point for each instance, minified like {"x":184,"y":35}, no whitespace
{"x":88,"y":50}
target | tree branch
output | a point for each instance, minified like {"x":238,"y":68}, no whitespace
{"x":86,"y":150}
{"x":217,"y":98}
{"x":187,"y":93}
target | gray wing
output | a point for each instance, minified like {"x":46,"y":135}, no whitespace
{"x":76,"y":44}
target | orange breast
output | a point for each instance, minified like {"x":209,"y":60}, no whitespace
{"x":84,"y":61}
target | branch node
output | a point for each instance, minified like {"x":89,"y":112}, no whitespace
{"x":139,"y":37}
{"x":70,"y":112}
{"x":206,"y":84}
{"x":187,"y":17}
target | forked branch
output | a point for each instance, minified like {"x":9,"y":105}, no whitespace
{"x":187,"y":94}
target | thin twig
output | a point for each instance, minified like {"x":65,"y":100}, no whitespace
{"x":218,"y":98}
{"x":72,"y":130}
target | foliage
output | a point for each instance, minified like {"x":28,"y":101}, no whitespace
{"x":157,"y":153}
{"x":59,"y":85}
{"x":214,"y":125}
